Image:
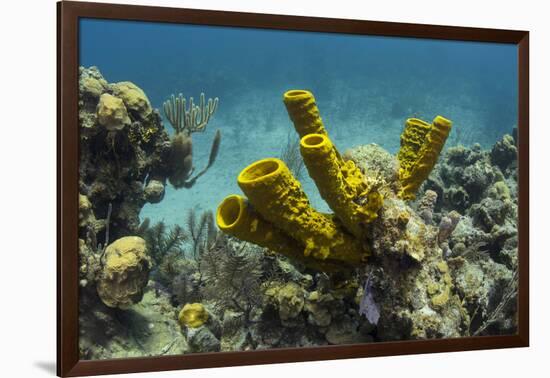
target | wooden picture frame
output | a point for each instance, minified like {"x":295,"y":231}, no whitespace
{"x":69,"y":13}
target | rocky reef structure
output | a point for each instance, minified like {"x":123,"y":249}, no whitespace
{"x":397,"y":259}
{"x":126,"y":158}
{"x":126,"y":155}
{"x":372,"y":232}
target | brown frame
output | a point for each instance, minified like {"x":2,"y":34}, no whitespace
{"x":68,"y":13}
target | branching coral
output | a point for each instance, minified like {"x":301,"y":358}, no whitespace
{"x":192,"y":119}
{"x":232,"y":276}
{"x":290,"y":154}
{"x":186,"y":121}
{"x":202,"y":232}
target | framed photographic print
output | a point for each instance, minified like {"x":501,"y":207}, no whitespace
{"x":239,"y":188}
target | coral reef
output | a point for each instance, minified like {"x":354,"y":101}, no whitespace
{"x":489,"y":200}
{"x":126,"y":155}
{"x":125,"y":272}
{"x":411,"y":291}
{"x":268,"y":270}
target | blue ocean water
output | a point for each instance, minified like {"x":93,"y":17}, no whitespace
{"x":365,"y":88}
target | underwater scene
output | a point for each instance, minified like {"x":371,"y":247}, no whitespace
{"x":246,"y":189}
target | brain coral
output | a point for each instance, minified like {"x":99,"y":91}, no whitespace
{"x":111,"y":112}
{"x":134,"y":98}
{"x":125,"y":272}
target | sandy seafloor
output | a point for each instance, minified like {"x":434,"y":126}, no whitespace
{"x":258,"y":127}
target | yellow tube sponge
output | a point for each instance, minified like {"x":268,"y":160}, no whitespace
{"x":421,"y":144}
{"x":340,"y":183}
{"x":303,"y":112}
{"x":236,"y":217}
{"x":278,"y":198}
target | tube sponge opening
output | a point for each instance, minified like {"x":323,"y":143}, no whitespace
{"x":303,"y":112}
{"x":230,"y":212}
{"x":260,"y":170}
{"x":315,"y":141}
{"x":297,"y":93}
{"x":421,"y":144}
{"x":236,"y":217}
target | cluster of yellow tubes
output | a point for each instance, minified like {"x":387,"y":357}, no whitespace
{"x":276,"y":214}
{"x":421,"y":144}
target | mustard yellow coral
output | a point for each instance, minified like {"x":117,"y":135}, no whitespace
{"x":340,"y":183}
{"x":421,"y":144}
{"x":193,"y":315}
{"x":285,"y":220}
{"x":236,"y":217}
{"x":303,"y":112}
{"x":278,"y":197}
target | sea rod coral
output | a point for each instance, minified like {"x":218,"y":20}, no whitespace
{"x":186,"y":121}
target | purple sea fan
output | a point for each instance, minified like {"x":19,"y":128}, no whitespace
{"x":368,"y":306}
